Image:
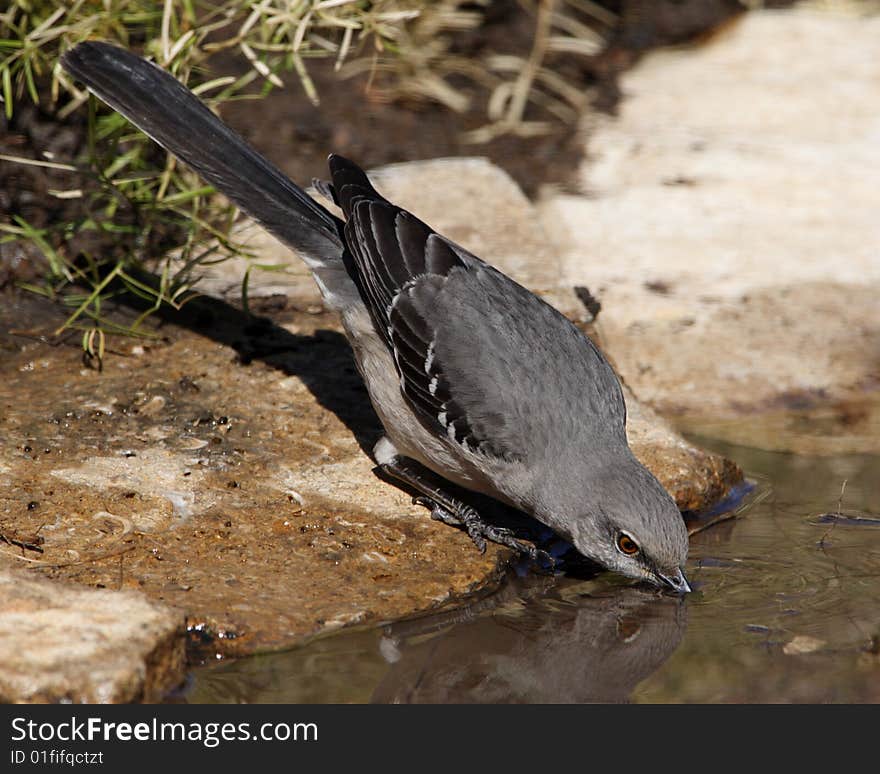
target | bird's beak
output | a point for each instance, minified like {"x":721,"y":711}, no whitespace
{"x":676,"y":581}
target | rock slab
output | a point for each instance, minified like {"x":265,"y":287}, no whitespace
{"x":728,"y":223}
{"x":66,"y":644}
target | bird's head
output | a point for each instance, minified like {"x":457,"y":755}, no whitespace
{"x":626,"y":521}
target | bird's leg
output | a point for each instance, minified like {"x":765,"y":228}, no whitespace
{"x":446,"y":508}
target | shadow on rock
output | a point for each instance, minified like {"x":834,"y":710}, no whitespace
{"x":322,"y":360}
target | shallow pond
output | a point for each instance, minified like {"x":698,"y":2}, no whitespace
{"x":786,"y":609}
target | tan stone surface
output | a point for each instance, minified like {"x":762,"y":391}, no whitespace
{"x":729,"y":226}
{"x":61,"y":643}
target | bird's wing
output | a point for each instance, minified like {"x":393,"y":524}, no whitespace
{"x":474,"y":350}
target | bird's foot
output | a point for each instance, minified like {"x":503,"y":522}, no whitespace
{"x":446,"y":508}
{"x":460,"y":515}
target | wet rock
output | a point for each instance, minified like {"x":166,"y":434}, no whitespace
{"x":65,"y":644}
{"x":730,"y":227}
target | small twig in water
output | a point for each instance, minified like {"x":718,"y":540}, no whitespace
{"x":839,"y":513}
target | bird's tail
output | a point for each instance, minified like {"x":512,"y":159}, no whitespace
{"x":174,"y":117}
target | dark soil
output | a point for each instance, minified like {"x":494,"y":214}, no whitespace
{"x":354,"y":120}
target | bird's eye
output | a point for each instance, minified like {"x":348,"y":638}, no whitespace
{"x":626,"y":545}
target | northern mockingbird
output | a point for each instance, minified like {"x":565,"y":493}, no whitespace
{"x":473,"y":377}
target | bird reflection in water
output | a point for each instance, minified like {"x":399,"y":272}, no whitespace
{"x":581,"y":643}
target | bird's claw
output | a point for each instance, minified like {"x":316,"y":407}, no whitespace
{"x":479,"y":531}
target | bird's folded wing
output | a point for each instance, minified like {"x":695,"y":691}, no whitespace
{"x":481,"y":359}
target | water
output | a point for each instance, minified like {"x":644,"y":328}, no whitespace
{"x":786,"y":609}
